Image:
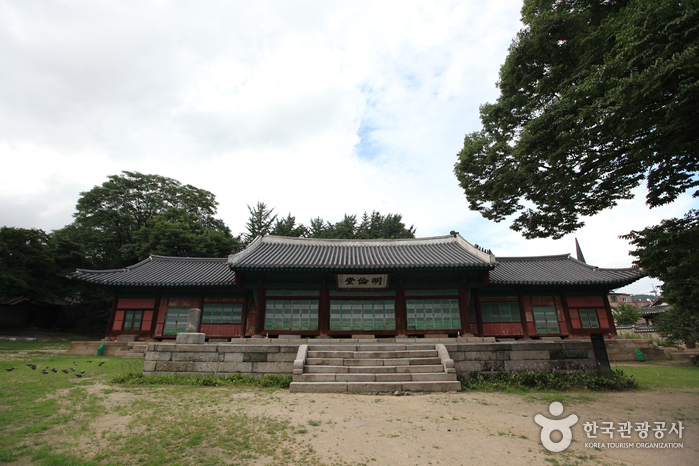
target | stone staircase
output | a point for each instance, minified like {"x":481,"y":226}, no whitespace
{"x":373,"y":368}
{"x":134,"y":349}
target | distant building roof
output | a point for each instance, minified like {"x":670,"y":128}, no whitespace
{"x":558,"y":270}
{"x":655,"y":309}
{"x":163,"y":271}
{"x":283,"y":253}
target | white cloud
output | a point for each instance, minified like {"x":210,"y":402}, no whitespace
{"x":317,"y":108}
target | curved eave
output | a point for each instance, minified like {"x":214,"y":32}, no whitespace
{"x":605,"y":284}
{"x":360,"y":270}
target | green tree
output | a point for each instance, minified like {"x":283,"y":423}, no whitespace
{"x":678,"y":325}
{"x":27,"y":266}
{"x":596,"y":96}
{"x":288,"y":227}
{"x":260,"y":220}
{"x":669,"y":252}
{"x":108,"y":215}
{"x":377,"y":226}
{"x":626,"y":314}
{"x":176,"y":232}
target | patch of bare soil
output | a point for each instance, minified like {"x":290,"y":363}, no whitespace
{"x":475,"y":427}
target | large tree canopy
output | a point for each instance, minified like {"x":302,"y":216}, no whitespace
{"x":372,"y":226}
{"x":27,"y":266}
{"x":596,"y":96}
{"x":669,"y":252}
{"x":109,"y":216}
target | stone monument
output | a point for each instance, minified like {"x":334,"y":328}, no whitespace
{"x":192,"y":335}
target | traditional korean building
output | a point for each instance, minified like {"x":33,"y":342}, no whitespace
{"x":338,"y":288}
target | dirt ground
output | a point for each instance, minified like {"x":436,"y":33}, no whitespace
{"x":481,"y":428}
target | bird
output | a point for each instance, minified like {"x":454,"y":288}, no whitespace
{"x":78,"y":375}
{"x":101,"y":363}
{"x":65,"y":371}
{"x":9,"y":370}
{"x":89,"y":361}
{"x":72,"y":368}
{"x":44,"y":372}
{"x":54,"y":370}
{"x":82,"y":372}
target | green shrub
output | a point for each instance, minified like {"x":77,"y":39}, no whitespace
{"x":548,"y":380}
{"x":695,"y":360}
{"x":269,"y":381}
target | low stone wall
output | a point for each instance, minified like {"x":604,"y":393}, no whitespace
{"x":625,"y":349}
{"x":275,"y":358}
{"x":220,"y":359}
{"x":571,"y":355}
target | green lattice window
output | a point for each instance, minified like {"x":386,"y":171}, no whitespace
{"x":132,"y":320}
{"x":437,"y":314}
{"x":216,"y":313}
{"x":176,"y":320}
{"x":367,"y":314}
{"x":288,"y":314}
{"x":546,"y":319}
{"x":588,"y":318}
{"x":500,"y":312}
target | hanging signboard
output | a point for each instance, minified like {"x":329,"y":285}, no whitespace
{"x":362,"y":281}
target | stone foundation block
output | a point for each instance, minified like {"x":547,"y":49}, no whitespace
{"x":232,"y":357}
{"x":257,"y":348}
{"x":254,"y":357}
{"x":373,"y":387}
{"x":162,"y":347}
{"x":233,"y":367}
{"x":149,"y":366}
{"x":196,"y":357}
{"x":273,"y":367}
{"x":520,"y":355}
{"x":187,"y":348}
{"x":158,"y":356}
{"x":190,"y":338}
{"x":281,"y":357}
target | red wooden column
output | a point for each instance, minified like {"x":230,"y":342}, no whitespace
{"x":111,"y":316}
{"x":608,"y":308}
{"x":324,"y":312}
{"x":477,"y":305}
{"x":401,"y":313}
{"x":566,"y":313}
{"x":522,"y":315}
{"x":261,"y":309}
{"x":464,"y":297}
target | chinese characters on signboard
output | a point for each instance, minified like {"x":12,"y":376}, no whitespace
{"x":362,"y":281}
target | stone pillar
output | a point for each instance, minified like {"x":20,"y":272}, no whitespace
{"x":192,"y":335}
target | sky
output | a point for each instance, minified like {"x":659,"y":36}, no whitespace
{"x":317,"y":108}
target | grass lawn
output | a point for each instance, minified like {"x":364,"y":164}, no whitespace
{"x":40,"y":345}
{"x":662,"y":374}
{"x":60,"y":419}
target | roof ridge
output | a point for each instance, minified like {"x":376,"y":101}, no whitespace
{"x":532,"y":258}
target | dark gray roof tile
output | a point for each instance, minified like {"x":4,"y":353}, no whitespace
{"x":163,"y":271}
{"x":558,"y":270}
{"x":279,"y":253}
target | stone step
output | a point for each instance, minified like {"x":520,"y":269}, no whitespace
{"x":374,"y":387}
{"x":370,"y":347}
{"x":374,"y":368}
{"x":406,"y":377}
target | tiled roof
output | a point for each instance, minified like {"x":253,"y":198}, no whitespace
{"x":658,"y":309}
{"x":558,"y":270}
{"x":282,"y":253}
{"x":163,"y":271}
